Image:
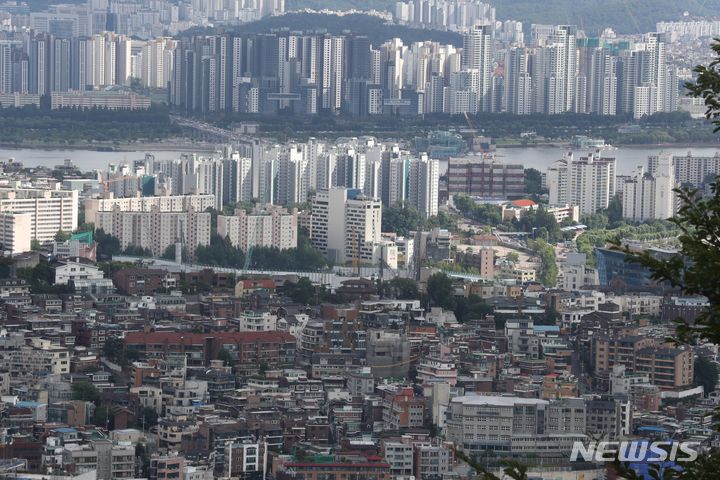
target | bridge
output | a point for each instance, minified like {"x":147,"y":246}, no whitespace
{"x":208,"y":132}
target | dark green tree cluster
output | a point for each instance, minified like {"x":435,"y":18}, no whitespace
{"x":483,"y":213}
{"x":305,"y":292}
{"x":533,"y":182}
{"x":222,"y":252}
{"x":548,"y":271}
{"x":107,"y":245}
{"x":611,"y":217}
{"x":42,"y":279}
{"x":706,"y":373}
{"x":116,"y":351}
{"x":440,"y":291}
{"x":541,"y":224}
{"x":400,"y":288}
{"x":31,"y":125}
{"x":135,"y":251}
{"x":472,"y":308}
{"x":402,"y":219}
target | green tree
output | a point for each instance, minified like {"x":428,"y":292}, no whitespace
{"x":596,"y":221}
{"x":103,"y":417}
{"x":403,"y":288}
{"x":147,"y":418}
{"x":107,"y":245}
{"x":614,"y":211}
{"x":61,"y":236}
{"x":548,"y":271}
{"x":84,"y":391}
{"x":482,"y":213}
{"x":169,"y":253}
{"x":440,"y":291}
{"x":35,"y":244}
{"x":512,"y":469}
{"x":226,"y":357}
{"x":472,"y":308}
{"x":706,"y":374}
{"x":533,"y":182}
{"x":302,"y":292}
{"x":401,"y":218}
{"x":114,"y":348}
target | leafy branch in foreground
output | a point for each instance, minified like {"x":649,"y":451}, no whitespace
{"x":695,"y":264}
{"x":707,"y":86}
{"x":512,"y":468}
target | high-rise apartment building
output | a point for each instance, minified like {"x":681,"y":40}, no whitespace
{"x":689,"y":169}
{"x":269,"y":227}
{"x":650,"y":196}
{"x":346,"y":226}
{"x":477,"y":56}
{"x":423,"y":185}
{"x":588,"y":182}
{"x":50,"y":210}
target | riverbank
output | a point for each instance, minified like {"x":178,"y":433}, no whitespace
{"x":615,"y":145}
{"x":172,"y":145}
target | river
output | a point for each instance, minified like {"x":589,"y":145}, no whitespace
{"x":531,"y":157}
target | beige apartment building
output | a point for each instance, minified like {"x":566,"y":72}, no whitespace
{"x":49,"y":211}
{"x":157,"y":230}
{"x":166,"y":203}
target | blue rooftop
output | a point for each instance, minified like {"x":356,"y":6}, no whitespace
{"x":65,"y":430}
{"x":546,"y":328}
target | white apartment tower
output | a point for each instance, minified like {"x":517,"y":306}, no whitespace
{"x":423,"y":185}
{"x":591,"y":183}
{"x":477,"y":55}
{"x":518,"y":82}
{"x":588,"y":183}
{"x":649,"y":196}
{"x":346,"y":225}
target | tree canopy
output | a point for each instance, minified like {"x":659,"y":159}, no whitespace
{"x":401,"y":218}
{"x":440,"y":291}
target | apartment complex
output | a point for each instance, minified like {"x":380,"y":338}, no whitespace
{"x":167,"y":203}
{"x":50,"y":211}
{"x":687,"y":169}
{"x":265,"y":227}
{"x":156,"y":230}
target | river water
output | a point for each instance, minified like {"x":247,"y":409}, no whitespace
{"x":531,"y":157}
